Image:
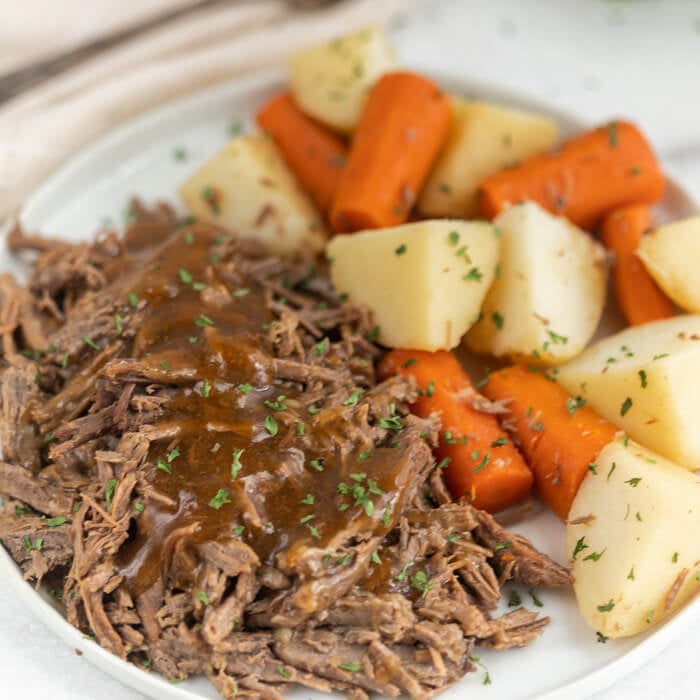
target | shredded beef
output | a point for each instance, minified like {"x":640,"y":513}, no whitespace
{"x":197,"y":447}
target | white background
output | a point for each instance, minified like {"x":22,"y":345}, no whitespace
{"x":599,"y":58}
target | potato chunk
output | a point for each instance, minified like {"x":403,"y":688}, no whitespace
{"x":331,"y":82}
{"x":424,"y":282}
{"x":484,"y":139}
{"x":643,"y":380}
{"x":548,"y":298}
{"x":671,"y":254}
{"x":632,"y":538}
{"x":246,"y":187}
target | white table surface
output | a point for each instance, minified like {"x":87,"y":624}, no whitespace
{"x":598,"y":58}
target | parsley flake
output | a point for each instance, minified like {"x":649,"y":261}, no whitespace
{"x":220,"y":499}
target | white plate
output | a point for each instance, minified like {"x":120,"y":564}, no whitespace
{"x":567,"y":662}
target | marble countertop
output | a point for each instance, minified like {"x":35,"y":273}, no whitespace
{"x":595,"y":58}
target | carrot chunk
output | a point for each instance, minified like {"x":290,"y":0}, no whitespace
{"x":404,"y":125}
{"x":313,"y":153}
{"x":586,"y":178}
{"x":480,"y":462}
{"x":639,"y":297}
{"x":558,"y":434}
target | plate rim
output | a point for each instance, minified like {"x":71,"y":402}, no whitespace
{"x":155,"y":685}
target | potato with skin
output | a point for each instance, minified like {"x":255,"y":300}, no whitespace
{"x":424,"y":281}
{"x":643,"y":380}
{"x":549,"y":295}
{"x":247,"y":188}
{"x":671,"y":255}
{"x":632,"y":539}
{"x":331,"y":82}
{"x":484,"y":139}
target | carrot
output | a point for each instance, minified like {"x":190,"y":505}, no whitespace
{"x":639,"y":297}
{"x":587,"y":177}
{"x":559,"y":436}
{"x":404,"y":125}
{"x":314,"y":154}
{"x":479,"y":461}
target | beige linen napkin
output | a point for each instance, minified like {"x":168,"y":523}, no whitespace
{"x":40,"y":129}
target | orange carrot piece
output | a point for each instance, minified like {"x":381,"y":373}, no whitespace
{"x":587,"y":177}
{"x":559,"y":436}
{"x":313,"y":153}
{"x":638,"y":295}
{"x":403,"y":127}
{"x":479,"y":461}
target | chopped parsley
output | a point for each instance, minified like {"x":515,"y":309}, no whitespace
{"x":634,"y":482}
{"x":497,"y":320}
{"x":201,"y":321}
{"x":118,"y":324}
{"x":474,"y":275}
{"x":133,"y":300}
{"x":607,"y":607}
{"x":91,"y":343}
{"x":109,"y":493}
{"x":220,"y":499}
{"x":55,"y":522}
{"x":308,"y":500}
{"x":626,"y":405}
{"x":271,"y":426}
{"x":321,"y":347}
{"x":579,"y":547}
{"x":245,"y":388}
{"x":453,"y":237}
{"x":482,"y":465}
{"x":642,"y":378}
{"x":612,"y":134}
{"x":205,"y":389}
{"x":573,"y":404}
{"x":353,"y":398}
{"x":353,"y":668}
{"x":514,"y":599}
{"x":500,"y":442}
{"x":203,"y":597}
{"x":277,"y":405}
{"x":401,"y":249}
{"x":316,"y":464}
{"x":421,"y":583}
{"x":236,"y":464}
{"x":535,"y":600}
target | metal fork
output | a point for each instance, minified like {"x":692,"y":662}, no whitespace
{"x":22,"y":79}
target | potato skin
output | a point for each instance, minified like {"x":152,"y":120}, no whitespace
{"x":247,"y":188}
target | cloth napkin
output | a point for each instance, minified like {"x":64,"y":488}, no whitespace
{"x":39,"y":129}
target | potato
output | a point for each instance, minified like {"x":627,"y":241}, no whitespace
{"x":424,"y":281}
{"x":331,"y":82}
{"x":643,"y":380}
{"x":671,"y":254}
{"x":246,"y":187}
{"x":546,"y":302}
{"x":485,"y":138}
{"x":632,"y":537}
